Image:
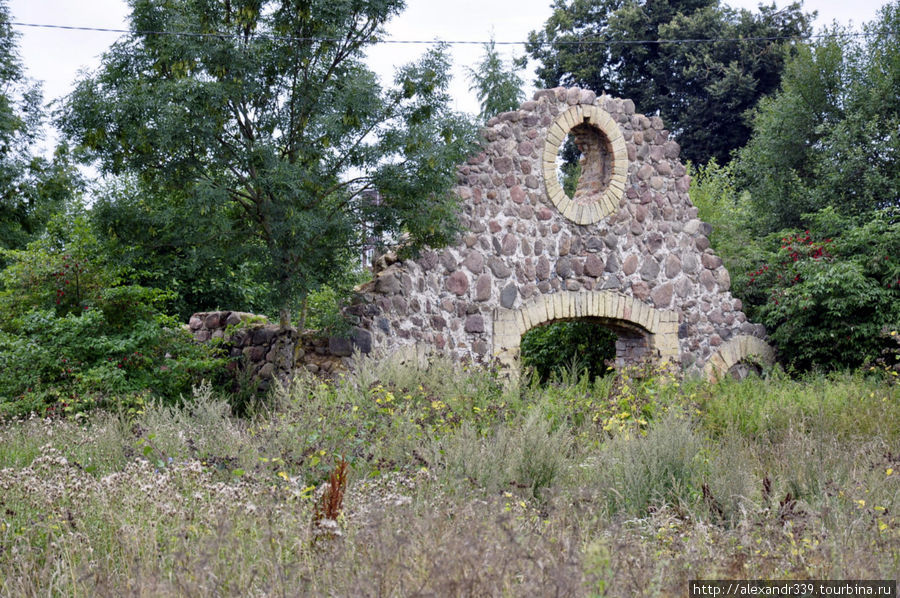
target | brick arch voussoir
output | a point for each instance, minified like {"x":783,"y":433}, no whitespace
{"x":737,"y":349}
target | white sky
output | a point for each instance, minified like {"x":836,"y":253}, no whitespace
{"x":56,"y":56}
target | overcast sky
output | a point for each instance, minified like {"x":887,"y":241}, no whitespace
{"x":56,"y":56}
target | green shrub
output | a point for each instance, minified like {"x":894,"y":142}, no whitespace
{"x":831,"y":290}
{"x":576,"y":345}
{"x":117,"y":352}
{"x":72,"y":338}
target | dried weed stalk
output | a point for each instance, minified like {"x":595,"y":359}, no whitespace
{"x":331,"y":504}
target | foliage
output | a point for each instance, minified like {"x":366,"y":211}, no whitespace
{"x":297,"y":142}
{"x":499,"y":87}
{"x":721,"y":202}
{"x":322,"y":311}
{"x":63,"y":270}
{"x":846,"y":405}
{"x":824,"y":293}
{"x":702,"y":97}
{"x":832,"y":291}
{"x":75,"y":339}
{"x":830,"y":136}
{"x":165,"y":241}
{"x":118,"y":354}
{"x":577,"y":345}
{"x":662,"y":467}
{"x":526,"y":454}
{"x":32,"y":188}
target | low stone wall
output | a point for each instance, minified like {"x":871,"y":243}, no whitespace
{"x":263,"y":352}
{"x":315,"y":355}
{"x":210,"y":325}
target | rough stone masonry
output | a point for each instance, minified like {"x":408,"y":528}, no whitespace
{"x":625,"y":248}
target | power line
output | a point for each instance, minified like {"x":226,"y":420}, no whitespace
{"x":588,"y":42}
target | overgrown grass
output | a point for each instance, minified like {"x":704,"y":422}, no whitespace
{"x":630,"y":484}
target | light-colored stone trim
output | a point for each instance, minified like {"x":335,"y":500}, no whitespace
{"x":605,"y":203}
{"x":659,"y":325}
{"x":736,"y":350}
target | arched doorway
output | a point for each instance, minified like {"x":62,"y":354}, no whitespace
{"x":641,"y":329}
{"x":742,"y":349}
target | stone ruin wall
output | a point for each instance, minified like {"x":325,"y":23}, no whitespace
{"x":264,"y":352}
{"x":636,"y":236}
{"x":626,"y":249}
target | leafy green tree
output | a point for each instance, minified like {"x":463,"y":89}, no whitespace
{"x":701,"y":90}
{"x":831,"y":135}
{"x":267,"y":108}
{"x":32,"y":188}
{"x":143,"y":233}
{"x":499,"y":86}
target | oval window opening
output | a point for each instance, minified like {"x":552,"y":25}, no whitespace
{"x":585,"y":162}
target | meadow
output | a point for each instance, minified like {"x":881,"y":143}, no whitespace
{"x":630,"y":484}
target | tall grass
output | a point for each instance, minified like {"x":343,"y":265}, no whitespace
{"x":460,"y":486}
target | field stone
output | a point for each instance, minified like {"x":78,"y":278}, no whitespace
{"x":483,"y":288}
{"x":458,"y":283}
{"x":673,"y":266}
{"x":508,"y":295}
{"x":474,"y":262}
{"x":662,"y":295}
{"x":475,"y":324}
{"x":593,"y":266}
{"x":498,"y":267}
{"x":650,"y":270}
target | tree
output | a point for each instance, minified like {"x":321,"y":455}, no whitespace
{"x":701,"y":90}
{"x":830,"y":136}
{"x":499,"y":87}
{"x":806,"y":218}
{"x":143,"y":233}
{"x":32,"y":188}
{"x":265,"y":107}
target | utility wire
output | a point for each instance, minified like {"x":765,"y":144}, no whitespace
{"x":607,"y":42}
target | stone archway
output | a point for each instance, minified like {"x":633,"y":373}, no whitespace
{"x":737,"y":350}
{"x":658,"y":327}
{"x":626,"y":248}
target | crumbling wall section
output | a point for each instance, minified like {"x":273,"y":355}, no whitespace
{"x":629,"y":228}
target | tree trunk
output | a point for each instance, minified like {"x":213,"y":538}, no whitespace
{"x":303,"y":312}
